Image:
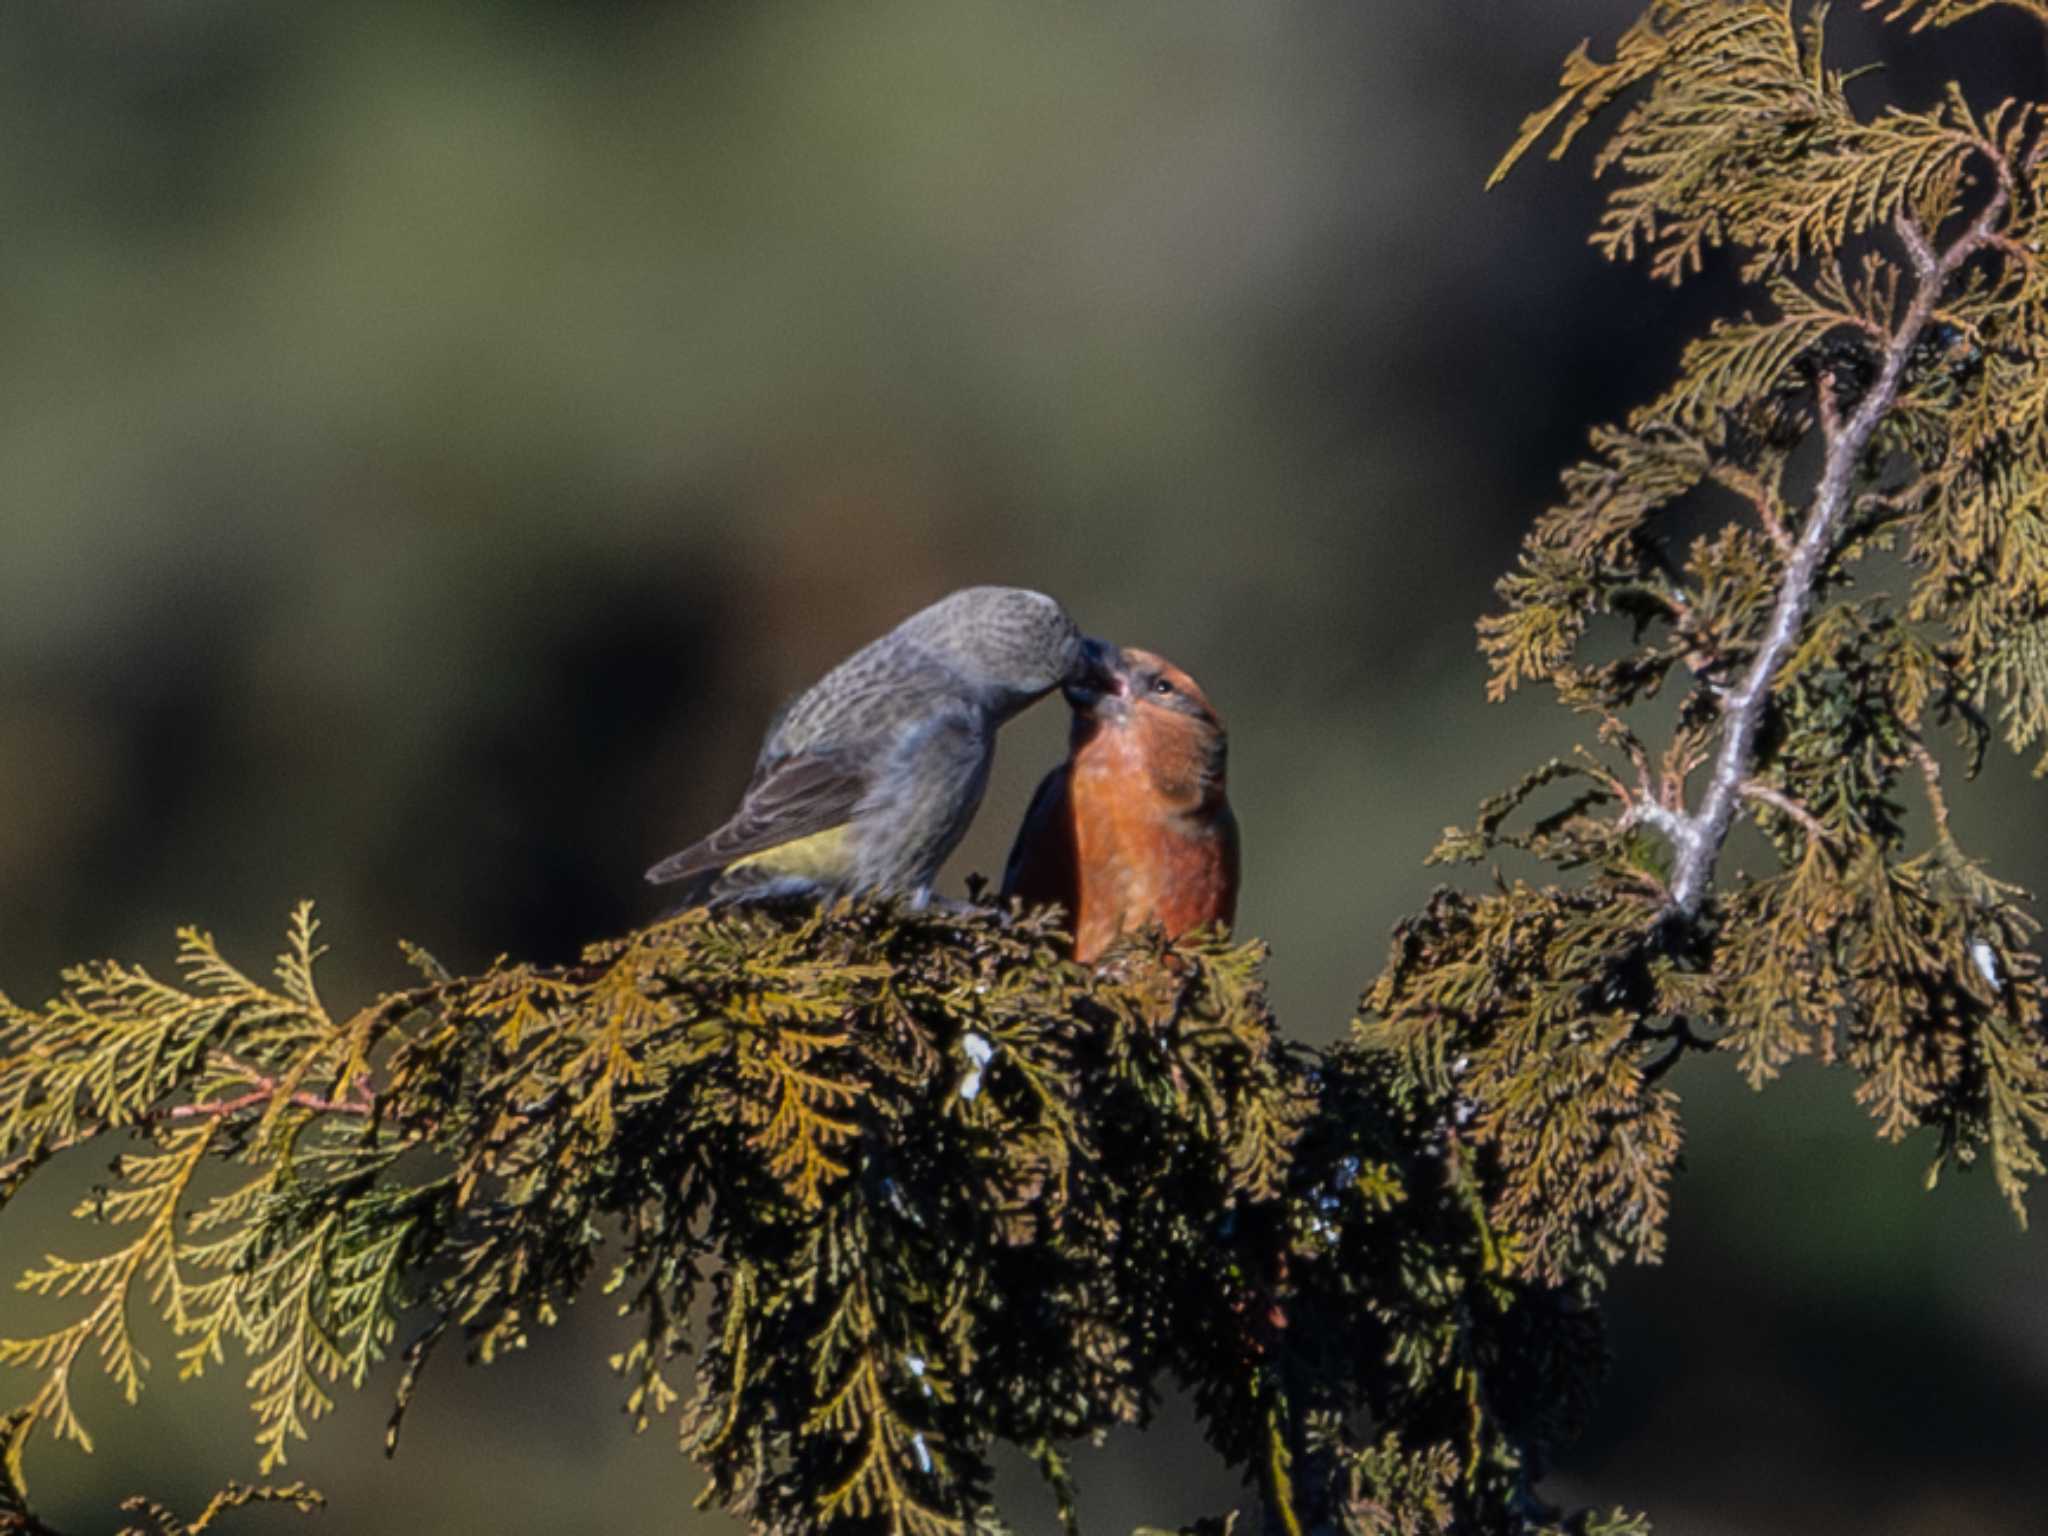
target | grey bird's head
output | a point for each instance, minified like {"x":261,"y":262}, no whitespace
{"x":1010,"y":644}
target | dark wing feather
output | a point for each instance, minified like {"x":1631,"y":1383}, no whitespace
{"x":1041,"y":859}
{"x":789,"y":798}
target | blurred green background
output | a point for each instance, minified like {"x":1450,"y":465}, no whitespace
{"x":434,"y":437}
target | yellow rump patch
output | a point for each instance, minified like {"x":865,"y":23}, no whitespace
{"x":822,"y":856}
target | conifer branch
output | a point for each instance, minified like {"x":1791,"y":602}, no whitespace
{"x":1697,"y":837}
{"x":1918,"y":374}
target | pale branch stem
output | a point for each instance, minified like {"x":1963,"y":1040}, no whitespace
{"x":362,"y":1102}
{"x":1752,"y":489}
{"x":1778,"y":800}
{"x":1899,"y":501}
{"x":1669,"y":822}
{"x":1682,"y":754}
{"x":1640,"y":761}
{"x":1697,"y":838}
{"x":263,"y":1087}
{"x":1598,"y":773}
{"x":1930,"y":776}
{"x":1830,"y":413}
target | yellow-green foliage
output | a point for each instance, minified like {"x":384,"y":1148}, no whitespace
{"x":908,"y":1254}
{"x":939,"y":1187}
{"x":1884,"y":401}
{"x":929,"y":1187}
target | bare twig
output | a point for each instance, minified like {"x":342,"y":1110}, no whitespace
{"x":1697,"y":838}
{"x":360,"y":1102}
{"x":1770,"y":511}
{"x":1930,"y":774}
{"x":1875,"y":508}
{"x":1778,"y":800}
{"x":1830,"y":412}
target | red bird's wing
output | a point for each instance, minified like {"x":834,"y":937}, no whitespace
{"x":1197,"y":875}
{"x":1044,"y":863}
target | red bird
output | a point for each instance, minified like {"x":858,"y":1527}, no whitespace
{"x":1134,"y":826}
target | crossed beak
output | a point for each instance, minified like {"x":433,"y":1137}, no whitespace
{"x":1098,"y":673}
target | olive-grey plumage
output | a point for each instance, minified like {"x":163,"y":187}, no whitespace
{"x":869,"y":779}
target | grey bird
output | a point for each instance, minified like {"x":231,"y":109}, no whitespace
{"x":869,"y":779}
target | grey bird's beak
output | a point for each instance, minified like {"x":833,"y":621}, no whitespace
{"x":1097,"y":671}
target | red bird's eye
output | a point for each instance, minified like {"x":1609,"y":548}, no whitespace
{"x":1161,"y":685}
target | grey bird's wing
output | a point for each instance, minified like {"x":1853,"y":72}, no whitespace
{"x":866,"y":699}
{"x":788,"y":798}
{"x":925,"y":794}
{"x":888,"y":738}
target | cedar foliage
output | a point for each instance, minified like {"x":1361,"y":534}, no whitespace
{"x":933,"y":1188}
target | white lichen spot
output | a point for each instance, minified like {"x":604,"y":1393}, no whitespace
{"x":1986,"y":960}
{"x":979,"y":1053}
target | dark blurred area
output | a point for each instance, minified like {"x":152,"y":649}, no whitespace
{"x":436,"y":437}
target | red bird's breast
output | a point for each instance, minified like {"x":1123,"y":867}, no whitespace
{"x":1134,"y":827}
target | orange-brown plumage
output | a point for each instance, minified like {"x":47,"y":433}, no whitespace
{"x":1135,"y":826}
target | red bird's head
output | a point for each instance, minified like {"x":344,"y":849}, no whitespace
{"x":1140,"y":705}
